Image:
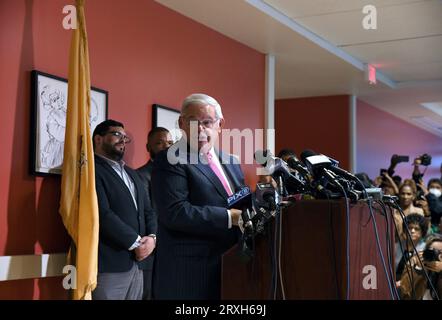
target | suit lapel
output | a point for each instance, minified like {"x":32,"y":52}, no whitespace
{"x":208,"y":172}
{"x":228,"y":167}
{"x":137,"y":189}
{"x":188,"y":155}
{"x":122,"y":184}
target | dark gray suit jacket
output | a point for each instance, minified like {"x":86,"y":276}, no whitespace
{"x":120,"y":221}
{"x":192,"y":226}
{"x":145,"y":172}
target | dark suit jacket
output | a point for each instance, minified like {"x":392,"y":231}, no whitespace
{"x":192,"y":226}
{"x":435,"y":205}
{"x":120,"y":221}
{"x":145,"y":173}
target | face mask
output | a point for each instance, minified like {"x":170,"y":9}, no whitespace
{"x":435,"y":192}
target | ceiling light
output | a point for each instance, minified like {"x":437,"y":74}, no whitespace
{"x":436,"y":107}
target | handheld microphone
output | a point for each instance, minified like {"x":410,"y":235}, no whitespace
{"x":266,"y":197}
{"x":242,"y":200}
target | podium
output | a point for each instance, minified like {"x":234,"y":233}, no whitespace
{"x":313,"y":263}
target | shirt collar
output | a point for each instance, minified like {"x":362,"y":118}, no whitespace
{"x":211,"y":152}
{"x":120,"y":163}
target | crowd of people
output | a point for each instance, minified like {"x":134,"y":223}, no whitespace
{"x":418,"y":228}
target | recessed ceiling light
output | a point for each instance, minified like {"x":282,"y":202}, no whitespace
{"x":436,"y":107}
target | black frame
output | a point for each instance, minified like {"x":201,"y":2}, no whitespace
{"x":34,"y":169}
{"x":155,"y":114}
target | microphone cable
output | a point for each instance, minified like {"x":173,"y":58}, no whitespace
{"x":279,"y":222}
{"x":410,"y":275}
{"x":387,"y":241}
{"x":378,"y":245}
{"x":332,"y":241}
{"x":272,"y":288}
{"x":275,"y":257}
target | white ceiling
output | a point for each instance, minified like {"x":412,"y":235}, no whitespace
{"x":320,"y":47}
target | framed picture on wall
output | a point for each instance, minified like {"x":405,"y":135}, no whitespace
{"x":167,"y":118}
{"x":48,"y":120}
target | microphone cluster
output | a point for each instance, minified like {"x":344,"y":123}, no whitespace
{"x":315,"y":176}
{"x":256,"y":208}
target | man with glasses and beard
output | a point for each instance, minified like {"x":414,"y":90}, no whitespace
{"x":127,"y":222}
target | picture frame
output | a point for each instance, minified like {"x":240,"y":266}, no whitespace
{"x":48,"y":120}
{"x":167,"y":118}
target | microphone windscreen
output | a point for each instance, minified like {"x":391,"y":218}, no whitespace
{"x":260,"y":156}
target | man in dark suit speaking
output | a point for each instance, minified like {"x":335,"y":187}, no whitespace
{"x":127,"y":222}
{"x":191,"y":182}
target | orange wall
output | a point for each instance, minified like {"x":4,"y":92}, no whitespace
{"x":317,"y":123}
{"x":142,"y":53}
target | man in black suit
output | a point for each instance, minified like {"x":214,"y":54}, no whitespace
{"x":158,"y":139}
{"x":128,"y":224}
{"x":191,"y":182}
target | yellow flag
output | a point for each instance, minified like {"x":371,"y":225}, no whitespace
{"x":78,"y":204}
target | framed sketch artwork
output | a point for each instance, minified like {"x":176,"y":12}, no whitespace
{"x":167,"y":118}
{"x":48,"y":123}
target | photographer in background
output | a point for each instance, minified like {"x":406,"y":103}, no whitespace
{"x":413,"y":283}
{"x":423,"y":160}
{"x":431,"y":202}
{"x":388,"y":185}
{"x":433,"y":196}
{"x":387,"y":180}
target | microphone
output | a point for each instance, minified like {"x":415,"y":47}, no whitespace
{"x":278,"y":168}
{"x":297,"y":165}
{"x":320,"y":165}
{"x":274,"y":166}
{"x":317,"y":163}
{"x":329,"y":169}
{"x":266,"y":197}
{"x":242,"y":200}
{"x":319,"y":160}
{"x":261,"y":156}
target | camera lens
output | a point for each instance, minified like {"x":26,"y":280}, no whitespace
{"x":431,"y":254}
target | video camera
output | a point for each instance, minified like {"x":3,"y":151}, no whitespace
{"x":425,"y":159}
{"x":395,"y":160}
